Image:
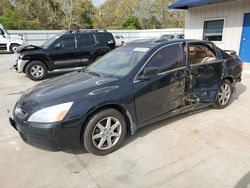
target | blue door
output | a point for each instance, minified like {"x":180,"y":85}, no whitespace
{"x":245,"y":39}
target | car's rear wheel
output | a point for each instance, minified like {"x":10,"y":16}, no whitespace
{"x":224,"y":96}
{"x":105,"y":132}
{"x":36,"y":70}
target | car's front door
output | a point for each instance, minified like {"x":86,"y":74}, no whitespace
{"x":157,"y":96}
{"x":63,"y":52}
{"x":3,"y":40}
{"x":205,"y":70}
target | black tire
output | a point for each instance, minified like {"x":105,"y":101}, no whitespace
{"x":91,"y":145}
{"x":29,"y":70}
{"x":98,"y":57}
{"x":13,"y":47}
{"x":218,"y":103}
{"x":122,"y":43}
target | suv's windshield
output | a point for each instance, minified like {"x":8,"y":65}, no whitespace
{"x":50,"y":41}
{"x":119,"y":62}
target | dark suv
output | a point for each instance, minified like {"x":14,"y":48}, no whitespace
{"x":74,"y":48}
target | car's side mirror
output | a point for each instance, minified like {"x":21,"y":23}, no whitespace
{"x":150,"y":72}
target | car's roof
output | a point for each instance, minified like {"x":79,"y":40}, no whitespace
{"x":150,"y":43}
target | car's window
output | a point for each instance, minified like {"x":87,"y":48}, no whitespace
{"x":200,"y":54}
{"x":180,"y":36}
{"x":105,"y":38}
{"x":86,"y":40}
{"x":168,"y":58}
{"x":168,"y":36}
{"x":118,"y":62}
{"x":66,"y":42}
{"x":117,"y":37}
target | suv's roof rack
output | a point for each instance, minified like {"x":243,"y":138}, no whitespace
{"x":86,"y":30}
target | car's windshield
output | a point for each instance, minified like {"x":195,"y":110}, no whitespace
{"x":49,"y":42}
{"x":119,"y":62}
{"x":6,"y":32}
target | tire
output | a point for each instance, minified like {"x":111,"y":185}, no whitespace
{"x":122,"y":43}
{"x":224,"y":96}
{"x":36,"y":70}
{"x":96,"y":58}
{"x":13,"y":47}
{"x":97,"y":133}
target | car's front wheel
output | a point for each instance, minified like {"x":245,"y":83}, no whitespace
{"x":14,"y":47}
{"x":105,"y":132}
{"x":224,"y":96}
{"x":36,"y":70}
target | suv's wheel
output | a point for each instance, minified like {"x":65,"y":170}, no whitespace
{"x":13,"y":47}
{"x":96,"y":58}
{"x":36,"y":70}
{"x":104,"y":132}
{"x":224,"y":96}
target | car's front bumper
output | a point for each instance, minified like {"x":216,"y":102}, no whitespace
{"x":50,"y":136}
{"x":19,"y":65}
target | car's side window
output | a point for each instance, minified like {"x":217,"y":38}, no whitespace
{"x":166,"y":59}
{"x":86,"y":40}
{"x":105,"y":38}
{"x":200,"y":54}
{"x":67,"y":42}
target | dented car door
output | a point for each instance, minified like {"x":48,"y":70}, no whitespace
{"x":164,"y":92}
{"x":205,"y":72}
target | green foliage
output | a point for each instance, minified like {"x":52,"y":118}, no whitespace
{"x":9,"y":19}
{"x":131,"y":22}
{"x":68,"y":14}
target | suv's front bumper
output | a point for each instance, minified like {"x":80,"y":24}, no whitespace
{"x":19,"y":65}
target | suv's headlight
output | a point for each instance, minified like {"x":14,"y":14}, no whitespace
{"x":51,"y":114}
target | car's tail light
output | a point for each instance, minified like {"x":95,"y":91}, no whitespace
{"x":241,"y":65}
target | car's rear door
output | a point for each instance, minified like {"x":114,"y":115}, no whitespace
{"x":86,"y":46}
{"x":205,"y":71}
{"x":63,"y":52}
{"x":157,"y":96}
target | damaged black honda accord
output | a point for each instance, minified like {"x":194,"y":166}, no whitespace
{"x":130,"y":87}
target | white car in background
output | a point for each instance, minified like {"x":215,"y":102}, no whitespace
{"x":119,"y":40}
{"x":9,"y":42}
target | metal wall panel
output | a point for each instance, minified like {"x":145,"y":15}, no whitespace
{"x":232,"y":12}
{"x":37,"y":37}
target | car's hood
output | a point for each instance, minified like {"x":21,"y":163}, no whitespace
{"x":26,"y":48}
{"x":16,"y":37}
{"x":66,"y":88}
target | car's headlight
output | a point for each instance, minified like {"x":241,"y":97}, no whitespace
{"x":51,"y":114}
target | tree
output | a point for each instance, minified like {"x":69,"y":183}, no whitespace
{"x":131,"y":22}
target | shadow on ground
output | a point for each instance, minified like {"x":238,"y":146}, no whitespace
{"x":244,"y":182}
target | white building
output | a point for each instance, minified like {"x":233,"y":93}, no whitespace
{"x":226,"y":22}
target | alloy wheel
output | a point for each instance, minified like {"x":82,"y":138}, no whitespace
{"x":36,"y":71}
{"x":224,"y":94}
{"x":106,"y":133}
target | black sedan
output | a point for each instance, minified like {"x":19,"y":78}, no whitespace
{"x":130,"y":87}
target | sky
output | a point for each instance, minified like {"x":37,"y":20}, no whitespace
{"x":98,"y":2}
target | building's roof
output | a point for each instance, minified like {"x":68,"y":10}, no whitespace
{"x":185,"y":4}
